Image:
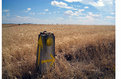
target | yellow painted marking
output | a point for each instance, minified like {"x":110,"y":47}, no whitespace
{"x":49,"y":41}
{"x":50,"y":60}
{"x":40,"y":46}
{"x":39,"y":56}
{"x":40,"y":42}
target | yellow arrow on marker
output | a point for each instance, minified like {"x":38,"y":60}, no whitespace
{"x":50,"y":60}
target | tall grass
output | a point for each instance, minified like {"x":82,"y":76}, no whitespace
{"x":83,"y":52}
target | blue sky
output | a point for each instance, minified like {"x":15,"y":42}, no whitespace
{"x":86,"y":12}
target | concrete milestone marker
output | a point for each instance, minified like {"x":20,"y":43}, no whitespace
{"x":45,"y":52}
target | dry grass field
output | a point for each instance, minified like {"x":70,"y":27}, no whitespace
{"x":82,"y":51}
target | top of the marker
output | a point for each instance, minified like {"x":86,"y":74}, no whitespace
{"x":45,"y":33}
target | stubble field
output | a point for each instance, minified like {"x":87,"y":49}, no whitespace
{"x":83,"y":51}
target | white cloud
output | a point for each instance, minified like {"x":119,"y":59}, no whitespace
{"x":23,"y":17}
{"x":28,"y":9}
{"x":86,"y":7}
{"x":6,"y":10}
{"x":89,"y":20}
{"x":76,"y":6}
{"x":27,"y":19}
{"x":18,"y":16}
{"x":46,"y":10}
{"x":76,"y":13}
{"x":99,"y":3}
{"x":42,"y":13}
{"x":73,"y":0}
{"x":80,"y":10}
{"x":91,"y":2}
{"x":104,"y":6}
{"x":69,"y":12}
{"x":94,"y":15}
{"x":112,"y":13}
{"x":61,"y":5}
{"x":110,"y":17}
{"x":85,"y":20}
{"x":60,"y":18}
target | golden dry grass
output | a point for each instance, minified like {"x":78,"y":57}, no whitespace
{"x":83,"y":51}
